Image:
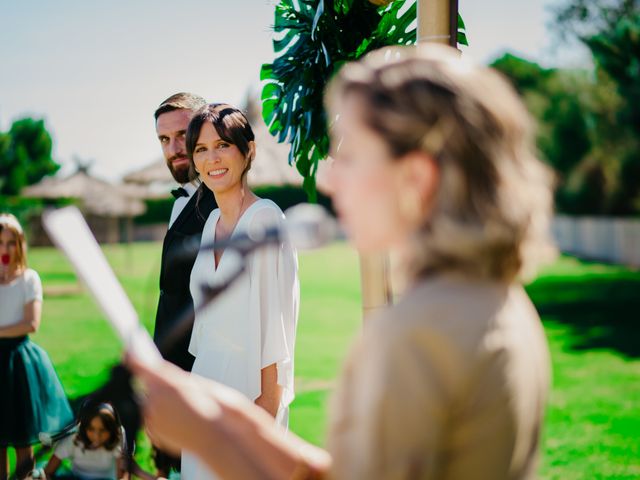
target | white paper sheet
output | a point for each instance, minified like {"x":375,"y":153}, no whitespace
{"x":69,"y":231}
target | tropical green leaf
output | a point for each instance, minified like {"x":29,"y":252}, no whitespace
{"x":316,"y":19}
{"x":342,"y":6}
{"x":279,"y":45}
{"x":309,"y":187}
{"x":315,"y":38}
{"x":461,"y":25}
{"x":268,"y":110}
{"x":462,"y":34}
{"x":266,"y":71}
{"x":271,"y":90}
{"x":462,"y":38}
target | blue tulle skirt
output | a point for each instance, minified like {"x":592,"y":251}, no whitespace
{"x":31,"y":397}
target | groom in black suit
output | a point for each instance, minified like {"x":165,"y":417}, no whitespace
{"x":191,"y":208}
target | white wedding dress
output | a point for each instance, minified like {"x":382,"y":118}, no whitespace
{"x":252,"y":324}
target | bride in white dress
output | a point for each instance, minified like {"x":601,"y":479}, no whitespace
{"x":245,"y":338}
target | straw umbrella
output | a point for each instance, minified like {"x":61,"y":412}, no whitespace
{"x":103,"y":202}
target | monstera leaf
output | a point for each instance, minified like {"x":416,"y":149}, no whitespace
{"x":314,"y":38}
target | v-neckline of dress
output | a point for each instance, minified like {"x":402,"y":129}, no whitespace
{"x":233,"y":232}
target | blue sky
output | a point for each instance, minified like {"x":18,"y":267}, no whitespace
{"x":97,"y":70}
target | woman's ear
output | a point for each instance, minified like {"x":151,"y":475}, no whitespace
{"x":426,"y":175}
{"x":252,"y":152}
{"x":419,"y":178}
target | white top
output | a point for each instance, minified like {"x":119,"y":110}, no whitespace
{"x":253,"y":323}
{"x":181,"y":202}
{"x":86,"y":463}
{"x":15,"y":295}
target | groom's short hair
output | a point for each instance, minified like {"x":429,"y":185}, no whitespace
{"x":179,"y":101}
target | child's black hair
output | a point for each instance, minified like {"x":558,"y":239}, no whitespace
{"x":109,"y":418}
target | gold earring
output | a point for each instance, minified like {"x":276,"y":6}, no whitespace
{"x":410,"y":205}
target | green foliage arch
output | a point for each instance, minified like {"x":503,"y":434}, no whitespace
{"x":315,"y":38}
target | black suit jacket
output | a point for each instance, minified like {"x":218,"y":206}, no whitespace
{"x":175,"y":271}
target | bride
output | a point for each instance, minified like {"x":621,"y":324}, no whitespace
{"x":245,"y":339}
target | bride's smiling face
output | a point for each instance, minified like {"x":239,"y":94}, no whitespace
{"x":220,"y":164}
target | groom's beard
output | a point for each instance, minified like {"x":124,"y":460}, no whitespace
{"x":179,"y":172}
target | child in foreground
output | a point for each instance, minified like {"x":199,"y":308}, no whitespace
{"x":97,"y":451}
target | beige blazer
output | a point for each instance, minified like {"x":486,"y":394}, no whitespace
{"x":450,"y":383}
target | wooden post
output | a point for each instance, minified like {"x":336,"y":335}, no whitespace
{"x":375,"y":279}
{"x":438,"y":22}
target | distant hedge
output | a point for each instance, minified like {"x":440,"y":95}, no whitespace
{"x":158,"y":211}
{"x":285,"y":196}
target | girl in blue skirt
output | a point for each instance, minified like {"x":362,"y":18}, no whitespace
{"x":32,"y":399}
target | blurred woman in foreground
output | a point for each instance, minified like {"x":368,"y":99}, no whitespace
{"x":433,"y":160}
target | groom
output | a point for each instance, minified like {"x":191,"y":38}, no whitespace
{"x":191,"y":208}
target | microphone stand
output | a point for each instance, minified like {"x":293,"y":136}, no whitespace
{"x":48,"y":442}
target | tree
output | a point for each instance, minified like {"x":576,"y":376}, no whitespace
{"x":25,"y":155}
{"x":553,"y":98}
{"x":589,"y":123}
{"x":582,"y":19}
{"x":617,"y":52}
{"x":611,"y":31}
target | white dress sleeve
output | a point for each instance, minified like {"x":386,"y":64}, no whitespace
{"x":33,"y":286}
{"x":275,"y":298}
{"x":64,"y":448}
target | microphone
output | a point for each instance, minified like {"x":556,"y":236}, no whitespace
{"x":309,"y":226}
{"x":48,"y":439}
{"x":306,"y":226}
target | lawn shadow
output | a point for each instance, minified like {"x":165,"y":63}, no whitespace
{"x":602,"y":311}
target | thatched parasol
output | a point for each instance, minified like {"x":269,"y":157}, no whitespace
{"x":98,"y":197}
{"x":155,"y":172}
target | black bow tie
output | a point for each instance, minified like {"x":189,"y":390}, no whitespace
{"x":179,"y":192}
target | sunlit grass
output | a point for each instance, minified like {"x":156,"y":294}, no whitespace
{"x":590,"y":312}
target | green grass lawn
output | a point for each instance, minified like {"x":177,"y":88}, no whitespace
{"x":590,"y":312}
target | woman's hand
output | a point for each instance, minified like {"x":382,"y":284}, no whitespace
{"x":176,"y":406}
{"x":230,"y":434}
{"x":181,"y":410}
{"x":271,"y":394}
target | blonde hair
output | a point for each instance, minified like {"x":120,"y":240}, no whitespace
{"x":492,"y":209}
{"x":11,"y":223}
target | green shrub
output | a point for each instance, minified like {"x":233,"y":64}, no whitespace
{"x":285,"y":196}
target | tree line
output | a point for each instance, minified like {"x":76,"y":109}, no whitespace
{"x":589,"y":121}
{"x":25,"y":155}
